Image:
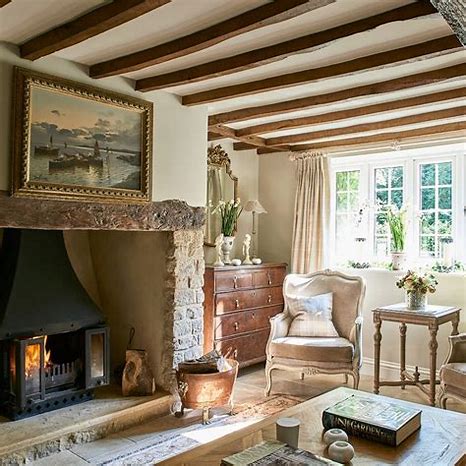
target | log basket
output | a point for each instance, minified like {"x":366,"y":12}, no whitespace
{"x":205,"y":391}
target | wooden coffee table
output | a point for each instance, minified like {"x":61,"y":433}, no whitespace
{"x":439,"y":442}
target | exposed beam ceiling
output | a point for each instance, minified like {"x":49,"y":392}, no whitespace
{"x":458,"y":127}
{"x":265,"y":15}
{"x":410,"y":53}
{"x":353,"y":112}
{"x":375,"y":126}
{"x":406,"y":82}
{"x":89,"y":25}
{"x":265,"y":55}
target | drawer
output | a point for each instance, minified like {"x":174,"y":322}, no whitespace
{"x":269,"y":277}
{"x":268,"y":296}
{"x":246,"y":321}
{"x":234,"y":301}
{"x":247,"y":299}
{"x":248,"y":349}
{"x":233,"y":280}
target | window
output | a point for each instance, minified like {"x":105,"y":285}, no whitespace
{"x":388,"y":191}
{"x":428,"y":184}
{"x":436,"y":203}
{"x":346,"y":207}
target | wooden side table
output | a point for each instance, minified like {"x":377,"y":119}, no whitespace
{"x":432,"y":317}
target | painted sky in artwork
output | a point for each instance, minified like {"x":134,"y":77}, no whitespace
{"x":80,"y":121}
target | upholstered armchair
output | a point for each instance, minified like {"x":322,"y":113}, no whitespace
{"x":311,"y":355}
{"x":453,"y":372}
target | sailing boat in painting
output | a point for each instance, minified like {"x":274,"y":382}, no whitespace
{"x":78,"y":159}
{"x":48,"y":150}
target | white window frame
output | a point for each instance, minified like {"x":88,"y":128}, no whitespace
{"x":410,"y":159}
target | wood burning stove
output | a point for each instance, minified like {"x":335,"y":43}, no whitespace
{"x":54,"y":344}
{"x":43,"y":373}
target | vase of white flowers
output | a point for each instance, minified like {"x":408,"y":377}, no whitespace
{"x":229,"y":213}
{"x":417,"y":287}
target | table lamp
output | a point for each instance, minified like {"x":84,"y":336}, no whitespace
{"x":255,"y":207}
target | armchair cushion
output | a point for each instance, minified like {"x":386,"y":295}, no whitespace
{"x":318,"y":349}
{"x":454,"y":375}
{"x":312,"y":316}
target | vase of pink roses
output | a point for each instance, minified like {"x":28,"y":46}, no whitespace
{"x":416,"y":287}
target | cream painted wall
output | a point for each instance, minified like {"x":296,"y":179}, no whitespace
{"x":180,"y":133}
{"x":277,"y":185}
{"x":78,"y":249}
{"x":130,"y":270}
{"x":382,"y":290}
{"x":244,"y":165}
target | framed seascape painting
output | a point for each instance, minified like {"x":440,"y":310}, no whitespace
{"x":71,"y":141}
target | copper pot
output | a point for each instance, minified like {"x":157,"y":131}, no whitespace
{"x":205,"y":391}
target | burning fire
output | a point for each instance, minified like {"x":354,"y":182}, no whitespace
{"x":32,"y":358}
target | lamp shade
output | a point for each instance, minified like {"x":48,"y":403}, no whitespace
{"x":254,"y":206}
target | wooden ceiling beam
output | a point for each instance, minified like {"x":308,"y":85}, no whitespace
{"x":410,"y":53}
{"x":4,"y":2}
{"x":375,"y":126}
{"x":459,"y":128}
{"x":412,"y":102}
{"x":406,"y":82}
{"x":266,"y":55}
{"x":95,"y":22}
{"x":265,"y":15}
{"x":245,"y":142}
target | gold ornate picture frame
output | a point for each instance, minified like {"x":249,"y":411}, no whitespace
{"x":72,"y":141}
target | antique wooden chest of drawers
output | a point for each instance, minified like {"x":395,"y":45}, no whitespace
{"x":239,"y":301}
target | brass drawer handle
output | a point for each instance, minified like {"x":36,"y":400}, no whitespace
{"x":235,"y":282}
{"x":253,"y":315}
{"x":269,"y":279}
{"x":235,"y":354}
{"x":236,"y":325}
{"x":237,"y":303}
{"x":269,"y":298}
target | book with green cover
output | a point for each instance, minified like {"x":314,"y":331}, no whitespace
{"x":373,"y":419}
{"x":276,"y":453}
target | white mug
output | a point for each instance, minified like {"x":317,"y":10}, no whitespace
{"x":288,"y":431}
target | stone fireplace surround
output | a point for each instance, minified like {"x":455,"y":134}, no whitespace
{"x":143,"y":263}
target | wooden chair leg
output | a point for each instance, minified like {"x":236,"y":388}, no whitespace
{"x":346,"y":379}
{"x":355,"y":379}
{"x":268,"y":378}
{"x":442,"y":398}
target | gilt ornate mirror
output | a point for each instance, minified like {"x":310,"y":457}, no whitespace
{"x":222,"y":184}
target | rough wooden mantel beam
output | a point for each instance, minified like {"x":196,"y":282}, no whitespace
{"x":453,"y":11}
{"x":48,"y":214}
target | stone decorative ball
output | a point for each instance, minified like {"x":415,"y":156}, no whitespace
{"x":236,"y":262}
{"x":333,"y":435}
{"x":341,"y":452}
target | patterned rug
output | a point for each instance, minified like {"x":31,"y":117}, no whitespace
{"x":163,"y":445}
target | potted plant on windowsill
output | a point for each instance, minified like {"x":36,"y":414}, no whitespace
{"x":229,"y":213}
{"x":396,"y":219}
{"x":417,"y":287}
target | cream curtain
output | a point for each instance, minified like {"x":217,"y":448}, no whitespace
{"x":312,"y":211}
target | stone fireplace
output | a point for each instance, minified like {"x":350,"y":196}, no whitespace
{"x":147,"y":263}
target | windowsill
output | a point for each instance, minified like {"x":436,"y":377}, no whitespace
{"x":397,"y":272}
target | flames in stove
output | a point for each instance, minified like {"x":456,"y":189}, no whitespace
{"x":32,"y":360}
